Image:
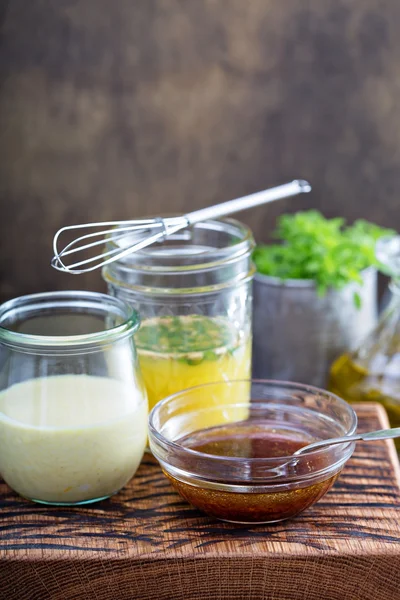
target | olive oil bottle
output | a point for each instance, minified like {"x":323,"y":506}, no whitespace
{"x":372,"y":372}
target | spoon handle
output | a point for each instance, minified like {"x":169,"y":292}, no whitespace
{"x":381,"y":434}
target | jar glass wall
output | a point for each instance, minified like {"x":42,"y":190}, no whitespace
{"x":73,"y":408}
{"x":193,"y":292}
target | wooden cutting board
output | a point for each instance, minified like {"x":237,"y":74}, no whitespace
{"x":147,"y":543}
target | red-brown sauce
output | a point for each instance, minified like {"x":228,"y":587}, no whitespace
{"x":249,"y":440}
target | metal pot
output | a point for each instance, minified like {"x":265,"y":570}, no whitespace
{"x":298,"y":334}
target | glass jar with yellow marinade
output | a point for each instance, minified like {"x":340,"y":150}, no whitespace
{"x":372,"y":371}
{"x":193,"y":293}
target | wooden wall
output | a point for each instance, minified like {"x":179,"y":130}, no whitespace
{"x":114,"y":109}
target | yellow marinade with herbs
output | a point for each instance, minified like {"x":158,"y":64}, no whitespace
{"x":179,"y":352}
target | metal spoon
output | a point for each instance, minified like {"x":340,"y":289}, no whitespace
{"x":381,"y":434}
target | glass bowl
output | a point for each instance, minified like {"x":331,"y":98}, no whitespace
{"x":231,"y":460}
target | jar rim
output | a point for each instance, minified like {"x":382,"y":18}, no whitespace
{"x":220,"y":256}
{"x":31,"y":304}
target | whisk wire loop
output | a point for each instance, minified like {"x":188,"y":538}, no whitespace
{"x":118,"y":231}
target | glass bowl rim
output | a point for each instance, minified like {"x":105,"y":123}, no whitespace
{"x":240,"y":460}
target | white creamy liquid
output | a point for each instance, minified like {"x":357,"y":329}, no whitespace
{"x":71,"y":438}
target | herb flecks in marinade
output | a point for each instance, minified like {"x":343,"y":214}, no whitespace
{"x":176,"y":353}
{"x":191,"y":338}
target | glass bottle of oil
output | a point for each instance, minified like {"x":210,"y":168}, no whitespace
{"x":372,"y":372}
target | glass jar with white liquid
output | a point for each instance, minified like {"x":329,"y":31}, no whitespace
{"x":73,"y":408}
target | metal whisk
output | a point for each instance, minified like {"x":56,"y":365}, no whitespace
{"x":132,"y":236}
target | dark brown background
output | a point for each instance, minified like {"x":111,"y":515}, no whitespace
{"x":113,"y":109}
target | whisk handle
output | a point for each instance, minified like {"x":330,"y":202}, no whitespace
{"x":298,"y":186}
